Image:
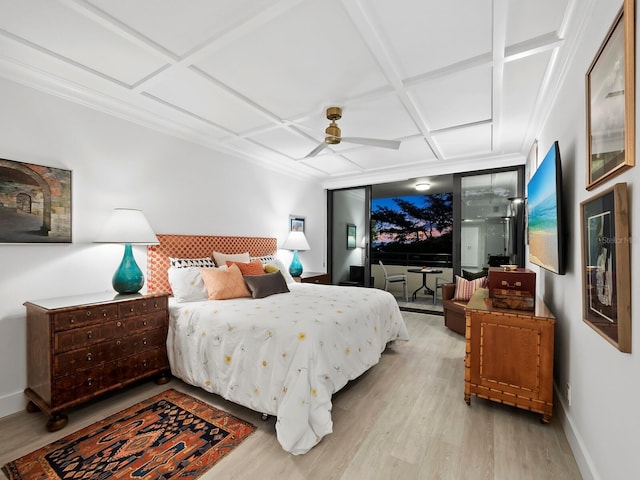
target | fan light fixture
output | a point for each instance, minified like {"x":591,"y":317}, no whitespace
{"x":423,"y":186}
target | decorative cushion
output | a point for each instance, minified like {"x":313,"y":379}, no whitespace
{"x":271,"y":268}
{"x":224,"y":284}
{"x":206,"y":262}
{"x":466,"y":288}
{"x":221,"y":258}
{"x":264,"y":259}
{"x":264,"y":285}
{"x":254,"y":267}
{"x":473,"y":275}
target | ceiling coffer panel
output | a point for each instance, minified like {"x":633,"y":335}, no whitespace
{"x":255,"y":77}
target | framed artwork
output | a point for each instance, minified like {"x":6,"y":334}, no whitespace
{"x":35,"y":203}
{"x":611,"y":101}
{"x":351,"y":235}
{"x":296,"y":224}
{"x":606,"y":276}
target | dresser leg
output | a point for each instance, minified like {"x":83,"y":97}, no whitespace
{"x":57,"y":422}
{"x":32,"y":407}
{"x":163,"y":378}
{"x":467,"y":399}
{"x":545,"y":418}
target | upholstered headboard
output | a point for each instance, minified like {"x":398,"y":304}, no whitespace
{"x":197,"y":246}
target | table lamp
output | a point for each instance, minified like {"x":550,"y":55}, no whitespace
{"x":296,"y":241}
{"x":129,"y":227}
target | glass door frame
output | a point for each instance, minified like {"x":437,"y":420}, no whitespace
{"x":457,"y":214}
{"x":367,"y":232}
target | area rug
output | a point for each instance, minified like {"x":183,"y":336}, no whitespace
{"x":170,"y":435}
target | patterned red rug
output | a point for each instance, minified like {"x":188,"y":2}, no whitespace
{"x":171,"y":435}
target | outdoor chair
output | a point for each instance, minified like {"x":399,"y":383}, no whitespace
{"x":395,"y":278}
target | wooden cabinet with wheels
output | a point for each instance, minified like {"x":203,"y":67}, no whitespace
{"x":509,"y":357}
{"x":83,"y":346}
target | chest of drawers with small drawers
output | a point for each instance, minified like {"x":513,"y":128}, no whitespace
{"x":81,"y":347}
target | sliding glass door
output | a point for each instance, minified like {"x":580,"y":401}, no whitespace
{"x":488,"y":219}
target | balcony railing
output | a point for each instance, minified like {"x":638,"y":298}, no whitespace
{"x":435,"y":260}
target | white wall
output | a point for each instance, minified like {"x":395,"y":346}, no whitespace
{"x":180,"y":186}
{"x":603,"y":421}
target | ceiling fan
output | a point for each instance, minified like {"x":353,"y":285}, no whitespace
{"x":334,"y":136}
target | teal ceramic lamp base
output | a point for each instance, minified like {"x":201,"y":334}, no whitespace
{"x":295,"y":269}
{"x":128,"y":278}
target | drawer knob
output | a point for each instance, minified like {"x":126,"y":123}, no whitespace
{"x":155,"y":305}
{"x":89,"y":381}
{"x":144,"y":363}
{"x":131,"y":309}
{"x":119,"y":324}
{"x":89,"y":334}
{"x":71,"y":320}
{"x":89,"y":313}
{"x":144,"y":341}
{"x":118,"y":342}
{"x":144,"y":323}
{"x":104,"y":313}
{"x":89,"y":357}
{"x":144,"y":304}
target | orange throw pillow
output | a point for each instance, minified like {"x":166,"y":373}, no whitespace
{"x":254,"y":267}
{"x":224,"y":284}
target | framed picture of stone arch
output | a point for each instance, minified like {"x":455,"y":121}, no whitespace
{"x":35,"y":203}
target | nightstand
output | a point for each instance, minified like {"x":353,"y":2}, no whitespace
{"x":314,"y":277}
{"x":83,"y":346}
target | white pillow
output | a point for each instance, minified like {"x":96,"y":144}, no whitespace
{"x":187,"y":284}
{"x":285,"y":271}
{"x":221,"y":258}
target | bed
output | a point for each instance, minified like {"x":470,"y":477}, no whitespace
{"x":282,"y":355}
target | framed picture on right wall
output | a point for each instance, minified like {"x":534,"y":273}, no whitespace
{"x":610,"y":103}
{"x":606,"y":275}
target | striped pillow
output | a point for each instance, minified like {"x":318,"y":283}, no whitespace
{"x":206,"y":262}
{"x":466,"y":288}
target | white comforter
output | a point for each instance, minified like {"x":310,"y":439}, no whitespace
{"x":286,"y":354}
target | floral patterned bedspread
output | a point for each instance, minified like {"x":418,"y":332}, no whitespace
{"x":285,"y":354}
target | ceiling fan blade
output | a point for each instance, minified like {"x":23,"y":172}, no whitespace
{"x":316,"y":150}
{"x":374,"y":142}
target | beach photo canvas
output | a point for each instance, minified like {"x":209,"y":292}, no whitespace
{"x":544,"y":222}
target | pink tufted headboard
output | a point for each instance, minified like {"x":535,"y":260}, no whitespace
{"x":197,"y":246}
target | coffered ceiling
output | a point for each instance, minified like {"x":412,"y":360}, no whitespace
{"x":459,"y":82}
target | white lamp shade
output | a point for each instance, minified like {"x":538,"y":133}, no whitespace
{"x":127,"y":226}
{"x":296,"y":241}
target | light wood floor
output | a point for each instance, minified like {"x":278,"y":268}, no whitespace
{"x":404,"y":419}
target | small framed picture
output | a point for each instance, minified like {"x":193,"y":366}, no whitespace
{"x":296,"y":223}
{"x":351,"y":235}
{"x":606,"y":275}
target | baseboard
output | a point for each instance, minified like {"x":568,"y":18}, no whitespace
{"x":12,"y":403}
{"x":580,"y":453}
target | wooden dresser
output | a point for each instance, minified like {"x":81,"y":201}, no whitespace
{"x":83,"y":346}
{"x":509,"y":357}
